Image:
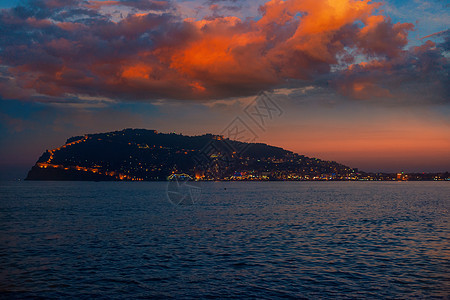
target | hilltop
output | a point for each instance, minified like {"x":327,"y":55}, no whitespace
{"x":146,"y":155}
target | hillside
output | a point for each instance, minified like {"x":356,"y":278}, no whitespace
{"x":139,"y":154}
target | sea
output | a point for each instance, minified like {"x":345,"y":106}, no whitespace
{"x":257,"y":240}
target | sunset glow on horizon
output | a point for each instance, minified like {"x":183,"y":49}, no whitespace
{"x":360,"y":82}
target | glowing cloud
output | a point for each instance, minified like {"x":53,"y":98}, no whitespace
{"x":56,"y":48}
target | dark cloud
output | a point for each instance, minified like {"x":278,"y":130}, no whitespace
{"x":147,"y":4}
{"x":416,"y":76}
{"x":137,"y":4}
{"x":212,"y":2}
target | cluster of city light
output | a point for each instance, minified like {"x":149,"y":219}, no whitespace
{"x":97,"y":170}
{"x":52,"y":152}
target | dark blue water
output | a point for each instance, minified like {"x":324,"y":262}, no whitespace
{"x":249,"y":240}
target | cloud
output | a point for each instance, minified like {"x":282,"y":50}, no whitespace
{"x":137,"y":4}
{"x":415,"y":76}
{"x":58,"y":48}
{"x":437,"y":34}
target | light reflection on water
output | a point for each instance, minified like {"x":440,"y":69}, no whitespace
{"x":241,"y":239}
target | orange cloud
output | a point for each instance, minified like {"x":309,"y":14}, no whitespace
{"x":149,"y":55}
{"x":293,"y":39}
{"x":139,"y":71}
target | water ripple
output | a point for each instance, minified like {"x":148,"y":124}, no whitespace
{"x":253,"y":240}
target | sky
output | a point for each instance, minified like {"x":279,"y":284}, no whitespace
{"x":364,"y":83}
